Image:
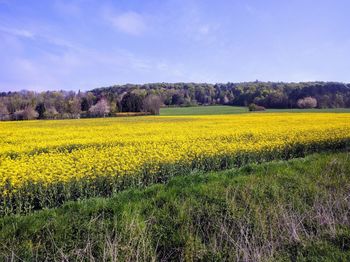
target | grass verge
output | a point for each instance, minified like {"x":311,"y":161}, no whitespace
{"x":287,"y":210}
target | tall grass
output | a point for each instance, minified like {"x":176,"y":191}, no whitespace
{"x":296,"y":210}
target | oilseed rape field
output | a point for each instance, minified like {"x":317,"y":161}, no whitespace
{"x":45,"y":163}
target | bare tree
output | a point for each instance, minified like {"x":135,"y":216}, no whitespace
{"x":307,"y":102}
{"x":4,"y":113}
{"x":74,"y":107}
{"x":51,"y":113}
{"x":100,"y":109}
{"x":152,"y":104}
{"x":27,"y":114}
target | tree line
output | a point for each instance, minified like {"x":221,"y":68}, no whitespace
{"x":267,"y":94}
{"x":107,"y":101}
{"x":27,"y":105}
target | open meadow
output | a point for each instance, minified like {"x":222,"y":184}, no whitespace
{"x":202,"y":110}
{"x":223,"y":110}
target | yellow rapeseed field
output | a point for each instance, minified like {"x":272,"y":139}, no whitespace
{"x":49,"y":152}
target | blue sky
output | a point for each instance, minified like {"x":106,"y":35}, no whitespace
{"x":83,"y":44}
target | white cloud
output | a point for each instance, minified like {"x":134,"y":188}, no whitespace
{"x":196,"y":27}
{"x":130,"y":22}
{"x":204,"y":33}
{"x":17,"y":32}
{"x":74,"y":66}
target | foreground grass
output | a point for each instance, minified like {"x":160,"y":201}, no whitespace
{"x":280,"y":211}
{"x":223,"y":110}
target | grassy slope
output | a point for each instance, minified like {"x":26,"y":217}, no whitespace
{"x":220,"y":110}
{"x":315,"y":110}
{"x":202,"y":110}
{"x":297,"y":209}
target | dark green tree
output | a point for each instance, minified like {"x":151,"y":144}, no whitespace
{"x":131,"y":103}
{"x":84,"y":105}
{"x":40,"y":108}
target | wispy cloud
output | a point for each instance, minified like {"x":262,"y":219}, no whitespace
{"x":55,"y":70}
{"x":195,"y":26}
{"x":17,"y":32}
{"x":131,"y":23}
{"x":202,"y":32}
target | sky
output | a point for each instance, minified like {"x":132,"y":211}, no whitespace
{"x":85,"y":44}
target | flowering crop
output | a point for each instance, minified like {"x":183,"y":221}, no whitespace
{"x":43,"y":163}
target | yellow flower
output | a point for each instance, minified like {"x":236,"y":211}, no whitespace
{"x":59,"y":151}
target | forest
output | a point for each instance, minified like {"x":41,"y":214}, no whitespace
{"x":107,"y":101}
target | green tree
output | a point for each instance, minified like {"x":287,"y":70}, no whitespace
{"x":40,"y":108}
{"x":84,"y":105}
{"x":131,"y":103}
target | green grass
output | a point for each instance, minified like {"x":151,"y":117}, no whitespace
{"x":314,"y":110}
{"x":222,"y":110}
{"x":294,"y":210}
{"x":202,"y":110}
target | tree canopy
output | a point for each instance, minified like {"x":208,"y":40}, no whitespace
{"x":149,"y":97}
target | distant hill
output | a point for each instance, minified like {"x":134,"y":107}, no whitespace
{"x":267,"y":94}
